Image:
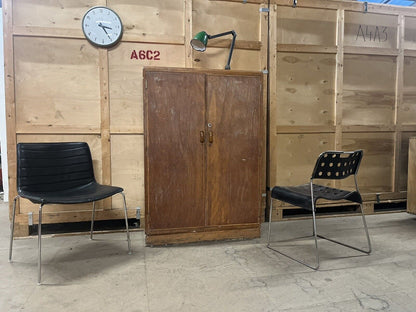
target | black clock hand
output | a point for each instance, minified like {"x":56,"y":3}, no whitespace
{"x":104,"y":28}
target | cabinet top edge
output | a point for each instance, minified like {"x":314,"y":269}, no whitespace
{"x":222,"y":72}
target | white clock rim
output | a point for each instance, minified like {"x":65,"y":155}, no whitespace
{"x":98,"y":44}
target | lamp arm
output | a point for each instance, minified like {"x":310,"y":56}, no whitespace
{"x":231,"y":32}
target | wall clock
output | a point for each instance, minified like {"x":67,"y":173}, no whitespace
{"x":102,"y":27}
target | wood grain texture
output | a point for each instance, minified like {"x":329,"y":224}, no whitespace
{"x":126,"y":82}
{"x":52,"y":14}
{"x":150,"y":18}
{"x":411,"y":178}
{"x":408,"y":109}
{"x":234,"y":110}
{"x":377,"y":166}
{"x":370,"y":30}
{"x":369,"y":90}
{"x":305,"y":90}
{"x":410,"y":33}
{"x":204,"y":150}
{"x":306,"y":26}
{"x":127,"y":169}
{"x":175,"y":116}
{"x":57,"y":84}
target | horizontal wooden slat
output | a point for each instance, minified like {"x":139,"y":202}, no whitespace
{"x":305,"y":48}
{"x":410,"y":53}
{"x":75,"y":216}
{"x":371,"y":51}
{"x":305,"y":129}
{"x":349,"y":6}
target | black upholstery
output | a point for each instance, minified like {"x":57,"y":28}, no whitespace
{"x":58,"y":173}
{"x":329,"y":165}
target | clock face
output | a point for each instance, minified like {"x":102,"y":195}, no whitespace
{"x":102,"y":26}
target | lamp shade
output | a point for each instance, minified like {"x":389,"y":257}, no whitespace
{"x":199,"y":42}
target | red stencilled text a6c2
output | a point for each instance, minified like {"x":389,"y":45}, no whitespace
{"x":150,"y":55}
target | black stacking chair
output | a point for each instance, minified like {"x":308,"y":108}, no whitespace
{"x":59,"y":173}
{"x":331,"y":165}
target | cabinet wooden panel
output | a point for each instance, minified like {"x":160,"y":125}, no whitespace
{"x":233,"y":163}
{"x":204,"y":144}
{"x":175,"y":115}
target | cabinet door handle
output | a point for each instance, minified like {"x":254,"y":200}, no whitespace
{"x":201,"y":136}
{"x":211,"y":136}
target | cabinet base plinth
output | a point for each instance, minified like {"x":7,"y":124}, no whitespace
{"x":192,"y":237}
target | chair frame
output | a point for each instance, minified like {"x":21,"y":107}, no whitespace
{"x":40,"y":229}
{"x":314,"y":233}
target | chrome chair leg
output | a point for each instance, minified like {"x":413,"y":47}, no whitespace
{"x":12,"y":228}
{"x":366,"y":229}
{"x":40,"y":243}
{"x":350,"y":246}
{"x":270,"y":221}
{"x":315,"y":235}
{"x":127,"y":223}
{"x":92,"y":219}
{"x":288,"y":256}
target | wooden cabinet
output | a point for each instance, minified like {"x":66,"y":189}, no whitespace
{"x":204,"y":156}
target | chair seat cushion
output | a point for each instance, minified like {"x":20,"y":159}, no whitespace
{"x":301,"y":195}
{"x":87,"y":193}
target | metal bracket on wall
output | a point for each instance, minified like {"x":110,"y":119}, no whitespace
{"x":138,"y":213}
{"x":261,"y":10}
{"x":365,"y":7}
{"x":295,"y":3}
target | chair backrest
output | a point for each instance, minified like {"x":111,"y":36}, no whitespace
{"x":335,"y":165}
{"x":50,"y":167}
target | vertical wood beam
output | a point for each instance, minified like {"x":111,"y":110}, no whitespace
{"x":188,"y":32}
{"x":339,"y":83}
{"x":105,"y":122}
{"x":273,"y":92}
{"x":10,"y":100}
{"x":398,"y":104}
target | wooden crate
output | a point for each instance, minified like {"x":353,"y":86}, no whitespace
{"x":61,"y":88}
{"x":341,"y":78}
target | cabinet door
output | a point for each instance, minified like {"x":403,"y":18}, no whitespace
{"x":174,"y":117}
{"x":234,"y":162}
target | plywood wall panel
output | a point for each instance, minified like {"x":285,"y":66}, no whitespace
{"x":152,"y":18}
{"x":306,"y":26}
{"x":127,"y":169}
{"x":404,"y":158}
{"x":52,"y":13}
{"x":294,"y":156}
{"x":369,"y":90}
{"x":57,"y":85}
{"x":216,"y":58}
{"x":219,"y":16}
{"x":410,"y":33}
{"x":377,"y":166}
{"x":408,"y":108}
{"x":126,"y":80}
{"x":370,"y":30}
{"x":305,"y":90}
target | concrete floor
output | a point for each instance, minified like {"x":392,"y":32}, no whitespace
{"x":84,"y":275}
